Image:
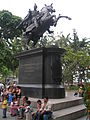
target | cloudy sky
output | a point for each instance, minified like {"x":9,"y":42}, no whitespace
{"x":78,"y":10}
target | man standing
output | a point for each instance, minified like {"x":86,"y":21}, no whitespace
{"x":81,"y":89}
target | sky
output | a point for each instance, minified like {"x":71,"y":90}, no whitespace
{"x":78,"y":10}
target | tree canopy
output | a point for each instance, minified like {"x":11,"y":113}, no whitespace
{"x":8,"y":23}
{"x":10,"y":44}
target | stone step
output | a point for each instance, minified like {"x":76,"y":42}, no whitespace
{"x":69,"y":108}
{"x":66,"y":103}
{"x":83,"y":118}
{"x":58,"y":104}
{"x":71,"y":113}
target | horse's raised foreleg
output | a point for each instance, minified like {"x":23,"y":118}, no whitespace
{"x":56,"y":20}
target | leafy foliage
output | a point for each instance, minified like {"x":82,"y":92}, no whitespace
{"x":8,"y":23}
{"x":10,"y":42}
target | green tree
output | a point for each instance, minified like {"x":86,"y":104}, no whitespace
{"x":76,"y":60}
{"x":69,"y":63}
{"x":77,"y":57}
{"x":8,"y":23}
{"x":5,"y":73}
{"x":10,"y":41}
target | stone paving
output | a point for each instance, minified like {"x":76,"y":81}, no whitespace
{"x":8,"y":116}
{"x":15,"y":118}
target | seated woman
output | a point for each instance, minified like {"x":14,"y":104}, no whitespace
{"x":21,"y":108}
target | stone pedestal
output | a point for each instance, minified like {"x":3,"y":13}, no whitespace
{"x":40,"y":72}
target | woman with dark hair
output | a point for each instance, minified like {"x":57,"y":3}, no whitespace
{"x":22,"y":107}
{"x":18,"y":93}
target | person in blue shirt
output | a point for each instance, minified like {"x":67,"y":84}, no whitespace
{"x":10,"y":97}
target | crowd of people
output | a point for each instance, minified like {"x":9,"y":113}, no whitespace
{"x":21,"y":106}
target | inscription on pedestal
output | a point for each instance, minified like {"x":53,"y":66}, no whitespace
{"x":31,"y":70}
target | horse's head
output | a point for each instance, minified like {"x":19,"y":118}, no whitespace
{"x":50,"y":8}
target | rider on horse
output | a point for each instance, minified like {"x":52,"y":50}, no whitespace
{"x":36,"y":23}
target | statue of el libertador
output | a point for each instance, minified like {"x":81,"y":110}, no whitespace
{"x":36,"y":23}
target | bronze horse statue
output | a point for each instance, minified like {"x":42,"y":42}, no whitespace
{"x":36,"y":23}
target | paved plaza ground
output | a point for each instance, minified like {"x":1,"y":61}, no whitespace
{"x":15,"y":118}
{"x":8,"y":116}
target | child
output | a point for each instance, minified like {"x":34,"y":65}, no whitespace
{"x":14,"y":107}
{"x":28,"y":111}
{"x":10,"y":97}
{"x":4,"y":106}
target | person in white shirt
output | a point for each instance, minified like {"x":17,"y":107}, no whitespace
{"x":46,"y":109}
{"x":36,"y":115}
{"x":28,"y":111}
{"x":14,"y":106}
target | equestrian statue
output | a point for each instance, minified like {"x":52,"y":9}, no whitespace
{"x":36,"y":23}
